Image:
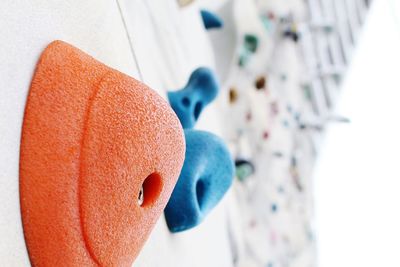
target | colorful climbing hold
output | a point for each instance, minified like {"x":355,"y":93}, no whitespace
{"x":210,"y":20}
{"x":233,"y":95}
{"x":189,"y":102}
{"x":244,"y":168}
{"x":100,"y":155}
{"x":206,"y":175}
{"x":260,"y":82}
{"x":251,"y":42}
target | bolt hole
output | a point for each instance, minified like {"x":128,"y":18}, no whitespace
{"x":197,"y":110}
{"x":141,"y":197}
{"x":150,"y":190}
{"x":186,"y":102}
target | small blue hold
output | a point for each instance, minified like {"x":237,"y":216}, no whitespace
{"x":190,"y":101}
{"x":274,"y":207}
{"x":206,"y":175}
{"x":210,"y":20}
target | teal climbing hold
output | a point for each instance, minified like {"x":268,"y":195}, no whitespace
{"x":206,"y":175}
{"x":251,"y":42}
{"x":189,"y":102}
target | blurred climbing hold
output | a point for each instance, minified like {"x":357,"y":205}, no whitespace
{"x":211,"y":20}
{"x":183,"y":3}
{"x":250,"y":45}
{"x":292,"y":34}
{"x":233,"y":95}
{"x":251,"y":42}
{"x":260,"y":83}
{"x":244,"y":168}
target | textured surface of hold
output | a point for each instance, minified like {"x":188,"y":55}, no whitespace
{"x":206,"y":175}
{"x":210,"y":20}
{"x":91,"y":138}
{"x":190,"y":101}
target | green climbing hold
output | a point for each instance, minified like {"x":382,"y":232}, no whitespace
{"x":251,"y":42}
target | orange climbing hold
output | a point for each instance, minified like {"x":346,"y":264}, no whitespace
{"x":100,"y":156}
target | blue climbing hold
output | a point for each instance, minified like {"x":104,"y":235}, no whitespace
{"x":274,"y":207}
{"x":206,"y":175}
{"x":190,"y":101}
{"x":210,"y":20}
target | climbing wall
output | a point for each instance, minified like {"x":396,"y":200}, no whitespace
{"x":279,"y":64}
{"x":280,"y":91}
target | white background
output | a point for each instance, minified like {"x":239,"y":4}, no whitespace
{"x":357,"y":179}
